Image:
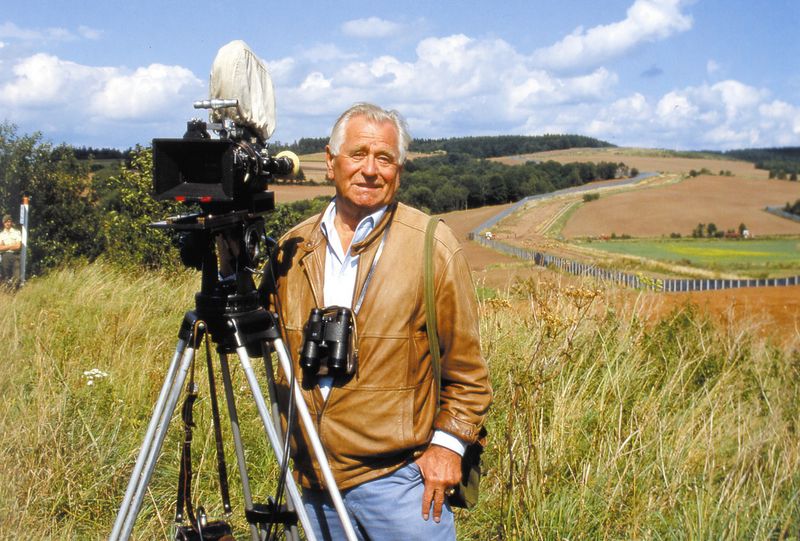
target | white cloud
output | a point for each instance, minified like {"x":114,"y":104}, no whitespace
{"x":675,"y":109}
{"x":281,"y":69}
{"x":646,"y":21}
{"x":59,"y":94}
{"x":453,"y":79}
{"x":712,"y":67}
{"x":90,"y":33}
{"x":371,"y":27}
{"x":728,"y":114}
{"x":12,"y":32}
{"x":145,"y":93}
{"x":44,"y":80}
{"x":457,"y":85}
{"x":315,"y":81}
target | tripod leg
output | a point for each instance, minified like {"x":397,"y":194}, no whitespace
{"x":155,"y":421}
{"x":275,"y":441}
{"x":151,"y":447}
{"x":237,"y":440}
{"x":292,"y":534}
{"x":319,"y":451}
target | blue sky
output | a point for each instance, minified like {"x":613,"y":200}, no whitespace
{"x":677,"y":74}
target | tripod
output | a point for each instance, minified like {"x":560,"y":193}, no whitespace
{"x":229,"y":310}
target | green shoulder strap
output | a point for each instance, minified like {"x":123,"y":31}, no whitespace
{"x":430,"y":305}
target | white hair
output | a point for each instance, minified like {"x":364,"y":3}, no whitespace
{"x":374,"y":114}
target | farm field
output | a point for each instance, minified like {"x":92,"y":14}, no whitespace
{"x":644,"y":160}
{"x":495,"y":271}
{"x":679,"y":207}
{"x":287,"y":193}
{"x":725,"y":255}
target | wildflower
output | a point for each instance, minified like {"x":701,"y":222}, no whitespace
{"x":94,"y":374}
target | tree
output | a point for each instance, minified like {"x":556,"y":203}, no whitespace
{"x":126,"y":225}
{"x":711,"y":230}
{"x":64,"y":220}
{"x":420,"y":197}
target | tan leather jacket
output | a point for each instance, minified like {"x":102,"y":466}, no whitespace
{"x":374,"y":421}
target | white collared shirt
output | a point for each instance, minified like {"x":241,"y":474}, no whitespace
{"x":341,"y":269}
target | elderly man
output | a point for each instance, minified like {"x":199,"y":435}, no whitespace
{"x":394,"y":451}
{"x":10,"y":245}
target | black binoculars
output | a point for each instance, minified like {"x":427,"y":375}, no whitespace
{"x":327,"y":343}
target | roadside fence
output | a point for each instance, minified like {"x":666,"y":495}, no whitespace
{"x":635,"y":281}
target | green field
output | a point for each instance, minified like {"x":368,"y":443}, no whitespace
{"x":742,"y":255}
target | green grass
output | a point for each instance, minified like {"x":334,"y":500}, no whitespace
{"x":603,"y":427}
{"x":558,"y":225}
{"x":719,"y":254}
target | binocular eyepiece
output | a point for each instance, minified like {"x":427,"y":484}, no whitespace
{"x":326,"y":343}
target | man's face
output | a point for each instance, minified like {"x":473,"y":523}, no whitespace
{"x":7,"y":224}
{"x":366,"y":170}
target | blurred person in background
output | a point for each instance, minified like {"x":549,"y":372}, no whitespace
{"x":10,"y":245}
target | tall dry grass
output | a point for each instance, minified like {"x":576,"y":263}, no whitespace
{"x":607,"y":427}
{"x":604,"y":426}
{"x":86,"y":351}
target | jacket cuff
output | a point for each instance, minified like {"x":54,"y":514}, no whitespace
{"x":466,"y":432}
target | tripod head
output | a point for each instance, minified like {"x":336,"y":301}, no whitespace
{"x":227,"y":248}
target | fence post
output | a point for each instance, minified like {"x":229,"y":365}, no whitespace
{"x":23,"y":253}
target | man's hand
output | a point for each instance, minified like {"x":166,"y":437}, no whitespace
{"x":441,"y":470}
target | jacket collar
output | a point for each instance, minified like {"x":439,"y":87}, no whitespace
{"x":317,"y":237}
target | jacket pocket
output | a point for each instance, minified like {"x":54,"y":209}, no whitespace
{"x":370,"y":423}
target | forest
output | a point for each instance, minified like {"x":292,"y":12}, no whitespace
{"x":458,"y":181}
{"x":782,"y":163}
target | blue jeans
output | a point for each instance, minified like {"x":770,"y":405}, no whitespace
{"x":383,"y":509}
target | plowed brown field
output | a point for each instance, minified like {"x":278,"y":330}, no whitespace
{"x":643,"y":160}
{"x":287,"y":193}
{"x":661,"y":210}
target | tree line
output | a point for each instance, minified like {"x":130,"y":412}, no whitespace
{"x":505,"y":145}
{"x":490,"y":146}
{"x":457,"y":181}
{"x":86,"y":153}
{"x":782,"y":163}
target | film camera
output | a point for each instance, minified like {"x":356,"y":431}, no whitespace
{"x":231,"y":173}
{"x":329,"y":343}
{"x":226,"y":177}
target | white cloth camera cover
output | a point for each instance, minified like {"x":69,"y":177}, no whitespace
{"x":237,"y":73}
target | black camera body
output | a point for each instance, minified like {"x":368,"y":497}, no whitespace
{"x":226,"y":174}
{"x":328,"y":343}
